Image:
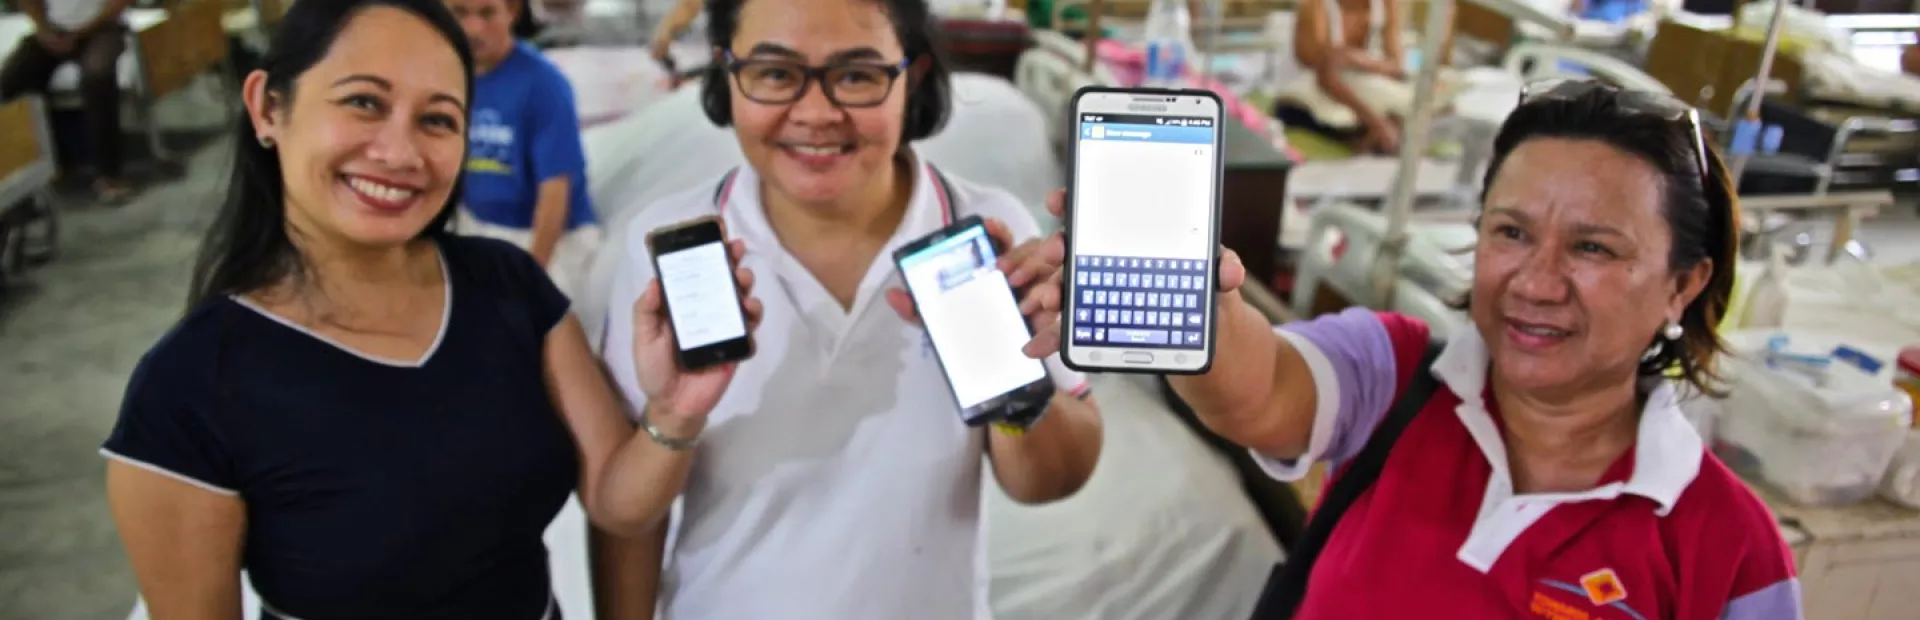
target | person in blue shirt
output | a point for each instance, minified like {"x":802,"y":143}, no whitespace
{"x":526,"y":174}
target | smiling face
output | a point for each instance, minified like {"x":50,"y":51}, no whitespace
{"x":1571,"y":275}
{"x":371,"y":138}
{"x":812,"y":150}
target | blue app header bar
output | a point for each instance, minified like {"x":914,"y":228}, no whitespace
{"x":1129,"y":132}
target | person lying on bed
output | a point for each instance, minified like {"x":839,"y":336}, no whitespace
{"x":92,"y":34}
{"x":526,"y":174}
{"x":829,"y":476}
{"x":1357,"y":90}
{"x":1544,"y":463}
{"x":372,"y":416}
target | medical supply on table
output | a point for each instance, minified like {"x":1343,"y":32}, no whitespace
{"x":1906,"y":374}
{"x":1821,"y":428}
{"x":1169,"y":43}
{"x":1902,"y":483}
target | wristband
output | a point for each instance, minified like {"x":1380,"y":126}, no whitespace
{"x":677,"y":445}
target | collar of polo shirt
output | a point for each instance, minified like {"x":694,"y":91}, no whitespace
{"x":1667,"y":455}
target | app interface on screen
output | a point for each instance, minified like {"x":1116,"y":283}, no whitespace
{"x":971,"y":315}
{"x":1144,"y":201}
{"x":701,"y":300}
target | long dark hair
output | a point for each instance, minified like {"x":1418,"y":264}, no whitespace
{"x":1702,"y":211}
{"x":248,"y":246}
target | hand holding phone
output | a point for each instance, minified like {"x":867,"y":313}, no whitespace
{"x":694,"y":322}
{"x":1045,"y":262}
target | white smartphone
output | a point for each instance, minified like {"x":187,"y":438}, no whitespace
{"x":1143,"y":230}
{"x":973,"y":322}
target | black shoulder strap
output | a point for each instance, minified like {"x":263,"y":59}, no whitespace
{"x":1287,"y":585}
{"x":946,"y":191}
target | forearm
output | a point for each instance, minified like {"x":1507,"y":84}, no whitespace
{"x":626,"y":572}
{"x":36,"y":11}
{"x":676,"y":22}
{"x":642,"y":480}
{"x":550,"y":218}
{"x":1054,"y":458}
{"x":108,"y":15}
{"x":1234,"y":397}
{"x":1363,"y":60}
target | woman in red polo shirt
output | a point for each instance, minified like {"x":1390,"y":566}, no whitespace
{"x":1549,"y":474}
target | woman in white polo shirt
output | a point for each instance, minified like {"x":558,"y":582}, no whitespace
{"x":830,"y":476}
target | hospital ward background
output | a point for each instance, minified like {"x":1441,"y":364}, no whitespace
{"x":1330,"y":206}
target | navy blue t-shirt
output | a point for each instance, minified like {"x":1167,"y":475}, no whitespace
{"x":524,"y":131}
{"x":374,"y":489}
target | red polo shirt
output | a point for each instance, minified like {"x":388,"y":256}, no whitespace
{"x":1668,"y":533}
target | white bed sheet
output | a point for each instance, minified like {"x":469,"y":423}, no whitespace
{"x":16,"y":27}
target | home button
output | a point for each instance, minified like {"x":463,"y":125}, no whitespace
{"x":1138,"y":357}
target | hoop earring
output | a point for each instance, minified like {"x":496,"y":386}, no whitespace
{"x":266,"y":142}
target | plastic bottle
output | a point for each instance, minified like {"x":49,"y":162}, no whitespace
{"x":1169,"y":43}
{"x":1767,"y":301}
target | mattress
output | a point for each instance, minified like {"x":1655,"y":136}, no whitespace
{"x":15,"y":28}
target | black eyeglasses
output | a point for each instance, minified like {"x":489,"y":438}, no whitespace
{"x":1659,"y":105}
{"x":780,"y":82}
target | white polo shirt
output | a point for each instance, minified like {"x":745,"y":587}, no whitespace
{"x":835,"y":479}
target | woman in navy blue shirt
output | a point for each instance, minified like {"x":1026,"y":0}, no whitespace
{"x":374,"y":418}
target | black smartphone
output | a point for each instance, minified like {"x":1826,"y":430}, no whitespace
{"x":973,"y":320}
{"x":1143,"y":230}
{"x":701,"y":295}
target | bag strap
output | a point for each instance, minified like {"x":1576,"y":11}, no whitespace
{"x":1287,"y":585}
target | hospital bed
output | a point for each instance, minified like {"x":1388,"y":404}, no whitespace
{"x":26,"y":171}
{"x":1163,"y":530}
{"x":166,"y":50}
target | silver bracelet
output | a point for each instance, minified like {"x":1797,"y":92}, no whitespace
{"x":677,"y":445}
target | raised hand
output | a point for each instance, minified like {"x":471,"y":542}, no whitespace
{"x":1048,"y":260}
{"x":678,"y":401}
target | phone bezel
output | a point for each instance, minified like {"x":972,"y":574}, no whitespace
{"x":1087,"y":358}
{"x":1008,"y":405}
{"x":686,"y":235}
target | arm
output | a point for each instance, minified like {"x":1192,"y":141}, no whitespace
{"x":1310,"y":391}
{"x":1055,"y":457}
{"x":676,"y":22}
{"x":1314,"y":49}
{"x":627,"y":481}
{"x":550,"y":217}
{"x":1394,"y":31}
{"x":626,"y":572}
{"x":558,"y":159}
{"x":36,"y":10}
{"x":183,"y":541}
{"x":109,"y":14}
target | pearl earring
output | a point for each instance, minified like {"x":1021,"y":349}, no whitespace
{"x":1673,"y":330}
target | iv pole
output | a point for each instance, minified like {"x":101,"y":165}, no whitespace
{"x":1761,"y":84}
{"x":1385,"y":270}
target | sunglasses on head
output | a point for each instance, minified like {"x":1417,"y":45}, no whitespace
{"x":1658,"y":105}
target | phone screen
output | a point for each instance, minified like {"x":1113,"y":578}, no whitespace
{"x":972,"y":317}
{"x":702,"y":302}
{"x":1142,"y":257}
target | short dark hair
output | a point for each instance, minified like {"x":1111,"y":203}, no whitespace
{"x":929,"y":100}
{"x":1702,"y":211}
{"x":247,"y":247}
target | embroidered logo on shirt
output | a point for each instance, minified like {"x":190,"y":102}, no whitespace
{"x":1603,"y":587}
